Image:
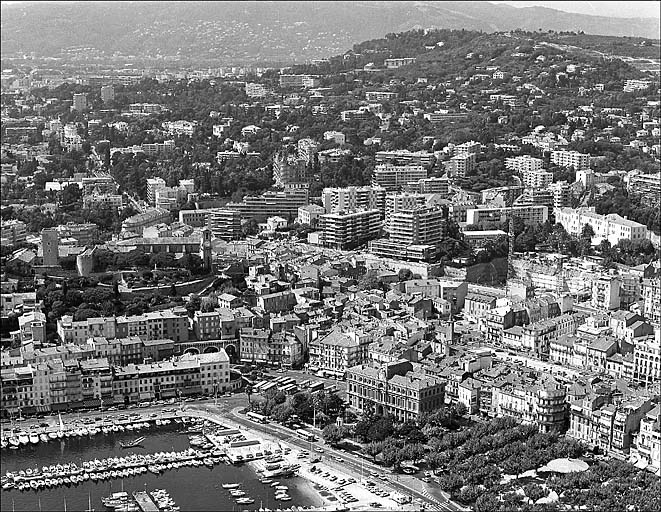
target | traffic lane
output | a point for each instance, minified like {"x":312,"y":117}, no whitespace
{"x":357,"y":464}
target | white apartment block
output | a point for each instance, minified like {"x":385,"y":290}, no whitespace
{"x":353,"y":198}
{"x":490,"y":218}
{"x":652,"y":300}
{"x":468,"y":147}
{"x":523,"y":163}
{"x":537,"y":178}
{"x":393,"y":177}
{"x":611,"y":227}
{"x":573,"y":159}
{"x":180,"y":127}
{"x":255,"y":90}
{"x":337,"y":137}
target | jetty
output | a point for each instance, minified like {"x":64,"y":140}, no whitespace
{"x":145,"y":502}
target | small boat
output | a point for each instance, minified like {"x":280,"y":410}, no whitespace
{"x":52,"y":435}
{"x":13,"y":441}
{"x":274,"y":484}
{"x":283,"y":497}
{"x":281,"y":488}
{"x":266,"y":481}
{"x":238,"y":493}
{"x":245,"y":501}
{"x":231,"y":486}
{"x":44,"y":438}
{"x":132,"y":444}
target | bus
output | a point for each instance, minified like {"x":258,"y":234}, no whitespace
{"x":259,"y":418}
{"x":304,"y":434}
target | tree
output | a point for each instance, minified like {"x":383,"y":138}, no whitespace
{"x":248,"y":392}
{"x":282,"y":412}
{"x":173,"y":290}
{"x":333,"y":434}
{"x":404,"y":274}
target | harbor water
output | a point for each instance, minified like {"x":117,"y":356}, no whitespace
{"x":191,"y":488}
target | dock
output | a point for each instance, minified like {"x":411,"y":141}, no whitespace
{"x":145,"y":502}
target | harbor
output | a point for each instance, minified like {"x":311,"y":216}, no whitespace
{"x":96,"y":466}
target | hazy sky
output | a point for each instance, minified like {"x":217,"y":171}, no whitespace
{"x":618,"y":9}
{"x":621,"y":9}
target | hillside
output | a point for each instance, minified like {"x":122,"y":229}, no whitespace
{"x":237,"y":32}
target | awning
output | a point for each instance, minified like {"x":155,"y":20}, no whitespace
{"x":92,"y":402}
{"x":59,"y":407}
{"x":76,"y":405}
{"x":108,"y":401}
{"x":642,"y":464}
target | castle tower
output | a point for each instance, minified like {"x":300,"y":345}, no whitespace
{"x":205,"y":248}
{"x":50,"y":241}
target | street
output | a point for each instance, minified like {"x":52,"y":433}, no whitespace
{"x":406,"y":484}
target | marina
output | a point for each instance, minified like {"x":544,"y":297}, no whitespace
{"x":66,"y":471}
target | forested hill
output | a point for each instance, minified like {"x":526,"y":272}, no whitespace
{"x":448,"y":54}
{"x":235,"y":32}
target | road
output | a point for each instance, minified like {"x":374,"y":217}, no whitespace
{"x":227,"y":407}
{"x":429,"y":495}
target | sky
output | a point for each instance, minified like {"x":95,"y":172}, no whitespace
{"x":620,"y":9}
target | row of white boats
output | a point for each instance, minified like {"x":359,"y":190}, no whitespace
{"x":16,"y":439}
{"x":113,"y":467}
{"x":240,"y":496}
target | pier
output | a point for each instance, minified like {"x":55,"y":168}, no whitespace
{"x":145,"y":502}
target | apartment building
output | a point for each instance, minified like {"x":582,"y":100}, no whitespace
{"x":611,"y":426}
{"x":254,"y":90}
{"x":536,"y":178}
{"x":171,"y":324}
{"x":648,"y":440}
{"x":536,"y":337}
{"x":79,"y":102}
{"x":107,"y":93}
{"x":13,"y":232}
{"x":306,"y":150}
{"x":541,"y":403}
{"x":225,"y":223}
{"x":272,"y":203}
{"x":380,"y":96}
{"x":417,"y":226}
{"x":347,"y":230}
{"x":578,"y":161}
{"x":396,"y":203}
{"x":353,"y":198}
{"x":336,"y":352}
{"x":394,"y":390}
{"x":647,"y":360}
{"x":606,"y":293}
{"x":151,"y":217}
{"x":652,"y":300}
{"x":440,"y":186}
{"x":68,"y":384}
{"x":394,"y":177}
{"x":491,"y":218}
{"x":398,"y":63}
{"x":523,"y":163}
{"x":299,"y":81}
{"x":611,"y":227}
{"x":310,"y":215}
{"x":180,"y":127}
{"x":460,"y":165}
{"x":405,"y":157}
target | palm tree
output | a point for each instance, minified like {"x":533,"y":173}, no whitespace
{"x":248,"y":392}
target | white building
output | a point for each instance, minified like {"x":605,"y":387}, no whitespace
{"x":571,"y":159}
{"x":611,"y":227}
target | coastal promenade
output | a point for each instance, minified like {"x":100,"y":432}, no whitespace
{"x":426,"y":496}
{"x":225,"y":412}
